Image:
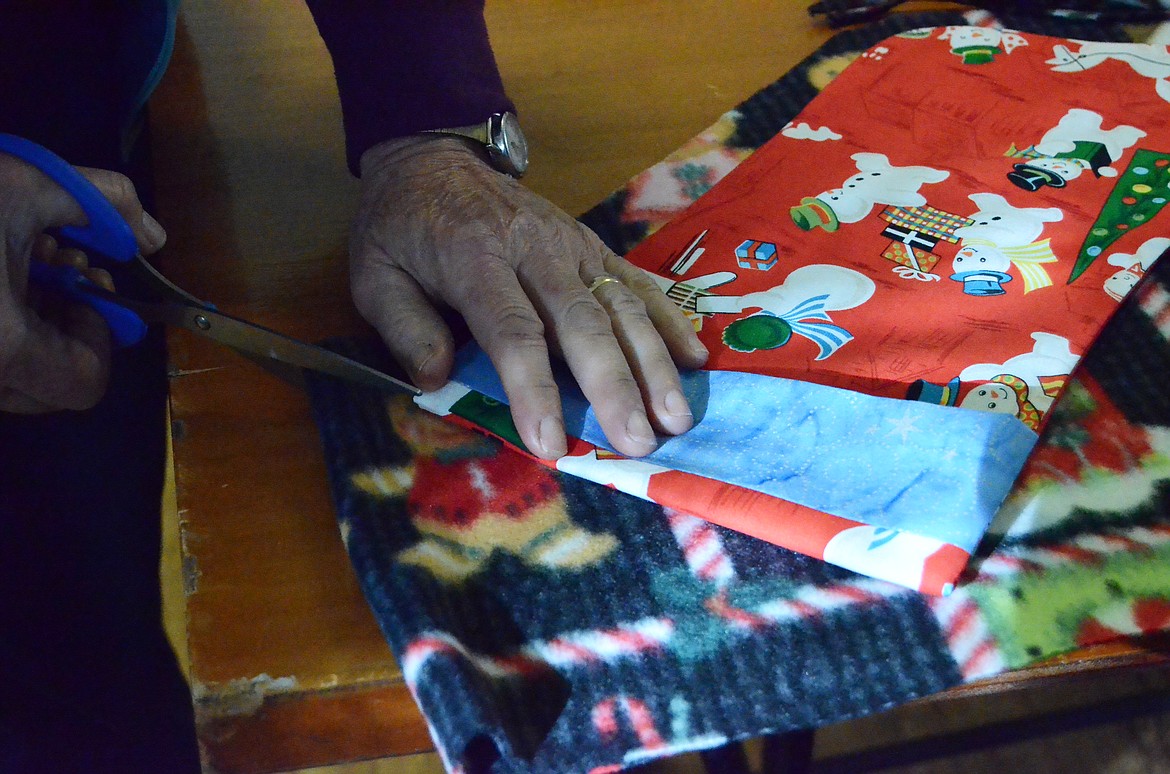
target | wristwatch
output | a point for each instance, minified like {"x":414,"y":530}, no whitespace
{"x":501,"y":137}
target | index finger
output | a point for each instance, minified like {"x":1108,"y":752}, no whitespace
{"x":512,"y":334}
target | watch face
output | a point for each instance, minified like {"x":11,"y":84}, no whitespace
{"x":512,"y":142}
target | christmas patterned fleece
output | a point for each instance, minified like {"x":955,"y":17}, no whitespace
{"x":548,"y":624}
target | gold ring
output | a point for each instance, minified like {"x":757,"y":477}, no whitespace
{"x":602,"y":280}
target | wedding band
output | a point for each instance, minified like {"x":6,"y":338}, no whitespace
{"x":602,"y":280}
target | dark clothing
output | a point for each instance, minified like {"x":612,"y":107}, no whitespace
{"x":405,"y":67}
{"x":87,"y":679}
{"x":401,"y":67}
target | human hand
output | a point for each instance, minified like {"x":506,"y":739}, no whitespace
{"x":437,"y":225}
{"x":54,"y":354}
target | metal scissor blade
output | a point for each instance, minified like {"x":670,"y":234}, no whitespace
{"x":257,"y":341}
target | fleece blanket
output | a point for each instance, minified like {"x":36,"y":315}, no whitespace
{"x":546,"y":623}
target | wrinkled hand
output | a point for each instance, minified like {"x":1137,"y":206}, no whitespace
{"x":53,"y":354}
{"x":438,"y":225}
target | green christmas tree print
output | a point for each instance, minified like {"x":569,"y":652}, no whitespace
{"x":1140,"y":193}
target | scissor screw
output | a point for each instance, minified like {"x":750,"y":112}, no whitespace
{"x":203,"y":323}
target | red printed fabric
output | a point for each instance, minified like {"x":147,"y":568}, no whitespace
{"x":995,"y":190}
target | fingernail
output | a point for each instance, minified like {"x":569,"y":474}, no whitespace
{"x":155,"y":233}
{"x":552,"y":438}
{"x":100,"y":277}
{"x":419,"y":360}
{"x":699,"y":350}
{"x":639,"y":430}
{"x":676,"y":404}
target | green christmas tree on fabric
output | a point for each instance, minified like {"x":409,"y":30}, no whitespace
{"x":1140,"y":194}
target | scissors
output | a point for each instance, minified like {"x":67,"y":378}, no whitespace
{"x":107,"y":236}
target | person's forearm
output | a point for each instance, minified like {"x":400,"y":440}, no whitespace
{"x":406,"y":67}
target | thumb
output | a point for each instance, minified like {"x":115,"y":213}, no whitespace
{"x":121,"y":192}
{"x":390,"y":300}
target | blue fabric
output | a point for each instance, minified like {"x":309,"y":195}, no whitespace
{"x":936,"y":471}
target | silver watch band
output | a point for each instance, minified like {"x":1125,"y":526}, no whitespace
{"x":502,"y":139}
{"x":477,"y":132}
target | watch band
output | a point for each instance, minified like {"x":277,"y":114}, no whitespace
{"x":477,"y":132}
{"x":501,"y":137}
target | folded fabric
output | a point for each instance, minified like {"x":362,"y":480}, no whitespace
{"x":547,"y":624}
{"x":895,"y":289}
{"x":798,"y":442}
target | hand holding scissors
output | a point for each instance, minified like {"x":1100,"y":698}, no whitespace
{"x":108,"y":238}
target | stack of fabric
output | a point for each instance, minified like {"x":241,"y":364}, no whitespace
{"x":547,"y":623}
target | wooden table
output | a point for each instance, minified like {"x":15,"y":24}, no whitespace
{"x":287,"y":664}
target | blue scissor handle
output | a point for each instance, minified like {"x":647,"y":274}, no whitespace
{"x":106,"y":233}
{"x":126,"y":327}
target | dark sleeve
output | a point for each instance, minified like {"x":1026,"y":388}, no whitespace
{"x":82,"y":104}
{"x":403,"y":67}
